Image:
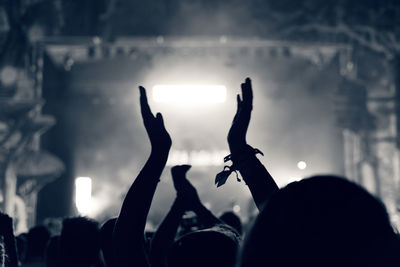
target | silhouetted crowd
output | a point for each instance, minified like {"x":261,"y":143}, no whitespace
{"x":318,"y":221}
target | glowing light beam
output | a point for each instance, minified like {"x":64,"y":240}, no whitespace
{"x":83,"y":194}
{"x":189,"y":94}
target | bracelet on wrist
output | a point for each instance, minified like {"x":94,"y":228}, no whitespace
{"x":238,"y":159}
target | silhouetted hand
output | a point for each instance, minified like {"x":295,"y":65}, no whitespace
{"x":186,"y":193}
{"x":240,"y":124}
{"x":158,"y":135}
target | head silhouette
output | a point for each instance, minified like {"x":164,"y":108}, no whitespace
{"x":52,"y":252}
{"x":106,"y":233}
{"x":231,"y":219}
{"x":37,"y":239}
{"x":212,"y":247}
{"x":79,"y":242}
{"x":321,"y":221}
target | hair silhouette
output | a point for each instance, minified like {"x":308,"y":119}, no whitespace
{"x":52,"y":252}
{"x":79,"y":242}
{"x":37,"y":239}
{"x":321,"y":221}
{"x":232,"y":220}
{"x":212,"y":247}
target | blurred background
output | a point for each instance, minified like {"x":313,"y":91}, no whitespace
{"x":325,"y":77}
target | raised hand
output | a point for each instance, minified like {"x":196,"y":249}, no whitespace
{"x":240,"y":124}
{"x":254,"y":173}
{"x":186,"y":200}
{"x":128,"y":241}
{"x":158,"y":135}
{"x":186,"y":193}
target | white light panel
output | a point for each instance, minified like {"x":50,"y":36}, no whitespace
{"x":189,"y":94}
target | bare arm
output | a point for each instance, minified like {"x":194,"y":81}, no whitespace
{"x":128,"y":236}
{"x":187,"y":200}
{"x":188,"y":194}
{"x":165,"y":235}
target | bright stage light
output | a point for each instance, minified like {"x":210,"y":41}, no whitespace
{"x":189,"y":94}
{"x":83,"y":194}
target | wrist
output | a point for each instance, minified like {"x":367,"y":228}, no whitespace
{"x":199,"y":208}
{"x":178,"y":205}
{"x":242,"y":155}
{"x":159,"y":153}
{"x":242,"y":160}
{"x":235,"y":146}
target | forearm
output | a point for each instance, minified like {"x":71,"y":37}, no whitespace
{"x":256,"y":176}
{"x":140,"y":195}
{"x":205,"y":216}
{"x":258,"y":179}
{"x":129,"y":228}
{"x":165,"y":235}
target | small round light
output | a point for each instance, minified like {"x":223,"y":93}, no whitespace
{"x":36,"y":33}
{"x":160,"y":40}
{"x":236,"y":208}
{"x":8,"y":75}
{"x":223,"y":39}
{"x":301,"y":165}
{"x":96,"y":40}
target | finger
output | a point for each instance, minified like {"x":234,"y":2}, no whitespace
{"x":180,"y":169}
{"x":247,"y":92}
{"x":186,"y":168}
{"x":243,"y":86}
{"x":244,"y":92}
{"x":239,"y":106}
{"x":179,"y":177}
{"x":239,"y":101}
{"x":144,"y":105}
{"x":249,"y":88}
{"x":160,"y":120}
{"x":177,"y":172}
